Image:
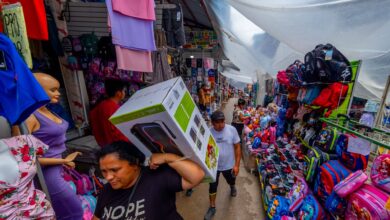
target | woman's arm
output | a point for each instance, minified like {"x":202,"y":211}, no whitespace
{"x":190,"y":172}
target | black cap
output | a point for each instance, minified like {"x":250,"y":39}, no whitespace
{"x":217,"y":115}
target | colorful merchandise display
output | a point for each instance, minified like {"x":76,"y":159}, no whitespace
{"x":314,"y":169}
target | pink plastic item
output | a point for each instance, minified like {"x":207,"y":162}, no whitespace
{"x":297,"y":193}
{"x":350,"y":184}
{"x":380,"y":172}
{"x":368,"y":203}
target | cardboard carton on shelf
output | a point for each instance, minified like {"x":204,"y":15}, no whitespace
{"x":164,"y":118}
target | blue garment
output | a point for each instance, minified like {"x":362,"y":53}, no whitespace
{"x":20,"y":92}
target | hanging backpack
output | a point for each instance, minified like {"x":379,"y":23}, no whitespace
{"x":368,"y":202}
{"x":380,"y":172}
{"x":67,"y":45}
{"x":76,"y":44}
{"x":311,"y":209}
{"x":106,"y":49}
{"x":326,"y":64}
{"x":312,"y":92}
{"x":329,"y":174}
{"x":89,"y":44}
{"x":326,"y":139}
{"x":282,"y":78}
{"x":353,"y":161}
{"x":331,"y":97}
{"x":295,"y":73}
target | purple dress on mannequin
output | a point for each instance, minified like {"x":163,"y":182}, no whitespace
{"x":65,"y":202}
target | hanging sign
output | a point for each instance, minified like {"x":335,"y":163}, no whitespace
{"x":358,"y":145}
{"x":15,"y":28}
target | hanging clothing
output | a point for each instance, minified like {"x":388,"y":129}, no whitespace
{"x":65,"y":202}
{"x":134,"y":60}
{"x":161,"y":69}
{"x":35,"y":16}
{"x":57,"y":8}
{"x":20,"y":199}
{"x":20,"y":93}
{"x":174,"y":26}
{"x":131,"y":33}
{"x":135,"y":8}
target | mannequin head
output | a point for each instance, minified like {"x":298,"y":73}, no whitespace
{"x":50,"y":85}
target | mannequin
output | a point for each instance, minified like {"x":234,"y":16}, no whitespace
{"x":8,"y":164}
{"x":51,"y":130}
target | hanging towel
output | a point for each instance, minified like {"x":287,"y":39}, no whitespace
{"x":134,"y":60}
{"x":129,"y":32}
{"x":135,"y":8}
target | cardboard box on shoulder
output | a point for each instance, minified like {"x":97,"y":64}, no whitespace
{"x":164,"y":118}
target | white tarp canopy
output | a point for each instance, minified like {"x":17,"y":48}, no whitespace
{"x":263,"y":36}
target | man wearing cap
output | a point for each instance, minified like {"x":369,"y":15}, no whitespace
{"x":228,"y":142}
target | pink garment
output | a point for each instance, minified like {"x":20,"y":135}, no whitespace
{"x":208,"y":63}
{"x":133,"y":60}
{"x":21,"y":200}
{"x":143,"y":9}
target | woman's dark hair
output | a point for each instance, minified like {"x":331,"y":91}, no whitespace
{"x":112,"y":86}
{"x":125,"y":151}
{"x":241,"y":102}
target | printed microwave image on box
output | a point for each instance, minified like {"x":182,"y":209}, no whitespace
{"x":153,"y":136}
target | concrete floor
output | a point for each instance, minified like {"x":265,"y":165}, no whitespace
{"x":246,"y":206}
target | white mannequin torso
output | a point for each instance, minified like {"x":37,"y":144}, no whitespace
{"x":9,"y":168}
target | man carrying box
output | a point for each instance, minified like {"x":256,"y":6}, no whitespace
{"x":228,"y":142}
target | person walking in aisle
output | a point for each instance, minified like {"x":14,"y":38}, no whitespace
{"x":238,"y":117}
{"x":103,"y":130}
{"x":228,"y":142}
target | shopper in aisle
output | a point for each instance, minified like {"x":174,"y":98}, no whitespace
{"x":51,"y":130}
{"x":238,"y":116}
{"x":103,"y":130}
{"x":202,"y":98}
{"x":228,"y":142}
{"x":137,"y":192}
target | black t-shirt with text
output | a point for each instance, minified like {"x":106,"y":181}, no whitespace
{"x":154,"y":198}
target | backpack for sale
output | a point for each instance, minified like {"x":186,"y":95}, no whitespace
{"x":335,"y":204}
{"x":106,"y":49}
{"x":326,"y":139}
{"x":297,"y":194}
{"x":301,"y":94}
{"x":282,"y":78}
{"x":67,"y":44}
{"x":350,"y":184}
{"x":278,"y":207}
{"x":82,"y":182}
{"x":380,"y":172}
{"x":329,"y":174}
{"x":314,"y":158}
{"x":368,"y":202}
{"x":326,"y":64}
{"x":76,"y":44}
{"x":295,"y":73}
{"x":353,"y":161}
{"x":311,"y":209}
{"x":89,"y":44}
{"x":312,"y":93}
{"x":331,"y":96}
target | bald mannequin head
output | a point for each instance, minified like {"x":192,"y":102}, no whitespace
{"x":50,"y":85}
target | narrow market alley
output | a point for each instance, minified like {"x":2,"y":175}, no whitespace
{"x":246,"y":206}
